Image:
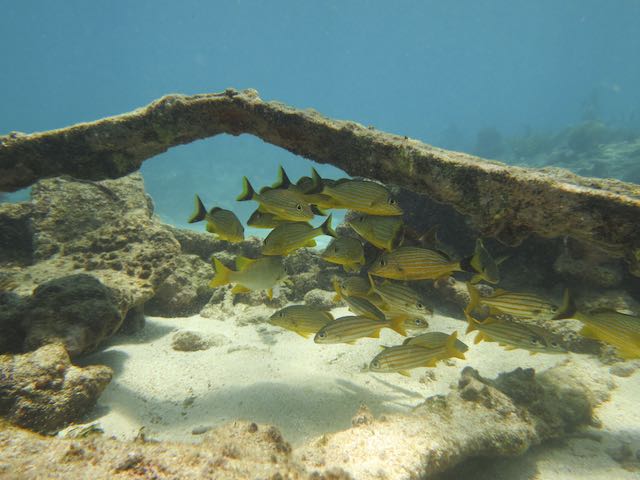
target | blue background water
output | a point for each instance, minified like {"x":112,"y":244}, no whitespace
{"x":436,"y":71}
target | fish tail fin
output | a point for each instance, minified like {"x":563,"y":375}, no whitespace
{"x":397,"y":325}
{"x":327,"y":229}
{"x":199,"y":213}
{"x":568,"y":308}
{"x":474,"y":298}
{"x":471,"y":323}
{"x":222,"y":274}
{"x":336,"y":286}
{"x":452,"y":350}
{"x":283,"y":179}
{"x":372,"y":282}
{"x":248,"y":193}
{"x":317,"y":185}
{"x":317,"y":211}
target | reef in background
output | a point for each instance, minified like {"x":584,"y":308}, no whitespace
{"x":507,"y":203}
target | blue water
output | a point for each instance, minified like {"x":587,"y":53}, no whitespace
{"x":436,"y":71}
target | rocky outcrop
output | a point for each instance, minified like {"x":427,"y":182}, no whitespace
{"x":43,"y":391}
{"x":507,"y":203}
{"x":478,"y":418}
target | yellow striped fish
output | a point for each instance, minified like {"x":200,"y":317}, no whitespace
{"x":402,"y":358}
{"x":223,"y":223}
{"x":614,"y":328}
{"x":401,"y":301}
{"x":514,"y":335}
{"x":516,"y":304}
{"x":345,"y":251}
{"x":301,"y":319}
{"x":260,"y":219}
{"x":351,"y":287}
{"x":282,"y":203}
{"x":382,"y":232}
{"x":301,"y":188}
{"x":414,"y":263}
{"x":351,"y":328}
{"x":436,"y":340}
{"x":289,"y":237}
{"x":359,"y":195}
{"x":364,"y":308}
{"x":259,"y":274}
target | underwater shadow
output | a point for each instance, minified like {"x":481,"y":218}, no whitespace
{"x":150,"y":332}
{"x":115,"y":359}
{"x":493,"y":468}
{"x":300,"y":412}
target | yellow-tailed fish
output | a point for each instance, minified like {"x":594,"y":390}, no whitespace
{"x":260,"y":274}
{"x":301,"y":188}
{"x":414,"y":263}
{"x":514,"y":335}
{"x":289,"y":237}
{"x":359,"y":195}
{"x":516,"y":304}
{"x":345,"y":251}
{"x":282,"y":203}
{"x":620,"y":330}
{"x":351,"y":328}
{"x":351,"y":286}
{"x":436,"y":340}
{"x":402,"y":358}
{"x":401,"y":300}
{"x":382,"y":232}
{"x":301,"y":319}
{"x":223,"y":223}
{"x":260,"y":219}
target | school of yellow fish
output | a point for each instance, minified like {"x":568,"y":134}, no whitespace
{"x":503,"y":317}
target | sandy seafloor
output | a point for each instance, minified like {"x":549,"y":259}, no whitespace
{"x":262,"y":373}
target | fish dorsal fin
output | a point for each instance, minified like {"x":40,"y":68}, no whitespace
{"x":243,"y":262}
{"x":214,"y":210}
{"x":283,"y":179}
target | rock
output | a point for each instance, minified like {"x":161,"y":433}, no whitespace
{"x":605,"y":275}
{"x":322,"y":299}
{"x":185,"y":291}
{"x":188,"y":341}
{"x":43,"y":391}
{"x":11,"y":328}
{"x":77,"y":311}
{"x":625,"y":369}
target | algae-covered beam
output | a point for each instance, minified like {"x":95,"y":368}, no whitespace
{"x":504,"y":202}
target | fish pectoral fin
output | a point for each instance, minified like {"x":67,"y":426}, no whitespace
{"x":375,"y":334}
{"x":404,"y":373}
{"x":310,"y":243}
{"x":270,"y":293}
{"x":431,"y":362}
{"x":302,"y":334}
{"x":243,"y":262}
{"x":480,"y":337}
{"x":588,"y":332}
{"x":240,"y":289}
{"x":351,"y":342}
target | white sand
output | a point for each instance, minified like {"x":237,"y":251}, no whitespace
{"x":265,"y":374}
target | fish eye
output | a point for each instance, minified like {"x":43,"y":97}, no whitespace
{"x":361,"y":219}
{"x":554,"y":344}
{"x":281,"y":314}
{"x":554,"y":309}
{"x":418,"y":321}
{"x":534,"y":340}
{"x":420,"y":306}
{"x":392,"y":201}
{"x":298,"y":207}
{"x":382,"y":262}
{"x":322,"y":334}
{"x":375,"y":364}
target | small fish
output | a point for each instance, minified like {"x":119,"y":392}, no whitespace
{"x":514,"y":335}
{"x":260,"y":219}
{"x":301,"y":319}
{"x":351,"y":328}
{"x":400,"y":300}
{"x":362,"y":307}
{"x":520,"y":305}
{"x":383,"y":232}
{"x":282,"y":203}
{"x":260,"y":274}
{"x":621,"y":330}
{"x":289,"y":237}
{"x":345,"y":251}
{"x":414,"y":263}
{"x":435,"y":340}
{"x":223,"y":223}
{"x":301,"y":188}
{"x":351,"y":287}
{"x":359,"y":195}
{"x":402,"y":358}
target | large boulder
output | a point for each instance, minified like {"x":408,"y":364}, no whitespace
{"x":43,"y":391}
